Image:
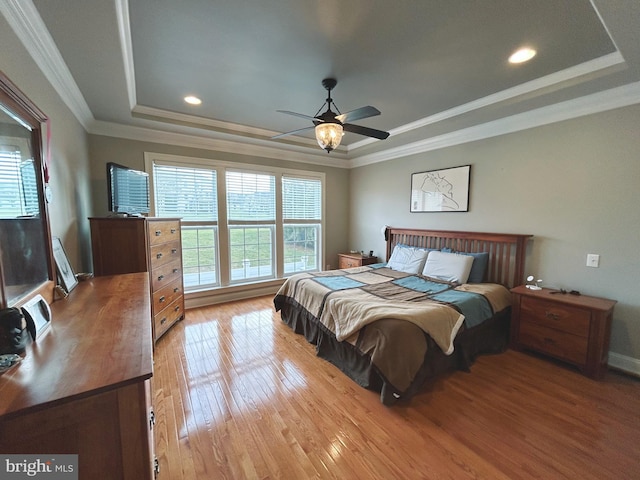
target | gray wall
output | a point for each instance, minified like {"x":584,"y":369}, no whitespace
{"x":573,"y":185}
{"x":131,"y":153}
{"x":69,"y":169}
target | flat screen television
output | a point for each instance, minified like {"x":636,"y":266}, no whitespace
{"x":128,"y":190}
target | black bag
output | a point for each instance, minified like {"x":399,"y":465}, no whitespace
{"x":15,"y":330}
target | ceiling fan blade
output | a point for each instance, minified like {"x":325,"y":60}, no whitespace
{"x":302,"y":115}
{"x":368,"y":132}
{"x":293,"y":132}
{"x":358,"y":114}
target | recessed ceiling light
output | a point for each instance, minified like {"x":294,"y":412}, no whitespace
{"x":191,"y":100}
{"x":522,"y":55}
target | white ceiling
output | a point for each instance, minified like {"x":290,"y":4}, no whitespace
{"x":431,"y":67}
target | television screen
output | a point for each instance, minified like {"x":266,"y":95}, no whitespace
{"x":128,"y":190}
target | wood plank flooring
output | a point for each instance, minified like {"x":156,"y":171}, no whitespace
{"x":238,"y":395}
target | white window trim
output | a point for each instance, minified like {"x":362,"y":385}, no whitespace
{"x":196,"y":162}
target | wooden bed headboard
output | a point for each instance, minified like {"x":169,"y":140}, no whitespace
{"x":506,"y":251}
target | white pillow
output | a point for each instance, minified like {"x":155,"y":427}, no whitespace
{"x":407,"y":259}
{"x":451,"y":267}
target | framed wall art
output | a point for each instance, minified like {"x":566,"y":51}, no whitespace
{"x":66,"y":276}
{"x":445,"y":190}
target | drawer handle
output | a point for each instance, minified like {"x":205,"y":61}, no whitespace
{"x":173,"y":230}
{"x":160,"y":278}
{"x":175,"y":290}
{"x":177,"y":309}
{"x":163,"y":321}
{"x":176,"y":270}
{"x":553,"y":316}
{"x":152,"y":419}
{"x":161,"y":299}
{"x":158,"y":233}
{"x":174,"y":251}
{"x":159,"y":255}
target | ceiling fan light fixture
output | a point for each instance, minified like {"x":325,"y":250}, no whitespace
{"x":329,"y":135}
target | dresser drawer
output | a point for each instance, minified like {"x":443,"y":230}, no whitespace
{"x":166,"y":295}
{"x":565,"y":318}
{"x":163,"y":231}
{"x":164,"y":253}
{"x":165,"y":274}
{"x":554,"y":342}
{"x":167,"y":317}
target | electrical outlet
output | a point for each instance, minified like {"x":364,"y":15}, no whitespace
{"x":593,"y":260}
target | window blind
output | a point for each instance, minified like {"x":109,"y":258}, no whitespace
{"x":18,"y":184}
{"x":251,"y":196}
{"x":189,"y":193}
{"x":301,"y":199}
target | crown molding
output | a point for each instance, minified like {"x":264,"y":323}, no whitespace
{"x":589,"y":104}
{"x":218,"y":127}
{"x":212,"y":124}
{"x":124,"y":33}
{"x":250,"y":147}
{"x":540,"y":84}
{"x":27,"y":24}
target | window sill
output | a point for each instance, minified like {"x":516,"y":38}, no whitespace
{"x":212,"y":296}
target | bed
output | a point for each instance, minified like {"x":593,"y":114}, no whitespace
{"x":440,"y":300}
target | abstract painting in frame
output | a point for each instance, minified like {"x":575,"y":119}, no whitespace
{"x":444,"y":190}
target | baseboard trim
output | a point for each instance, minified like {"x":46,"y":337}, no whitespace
{"x":623,"y":363}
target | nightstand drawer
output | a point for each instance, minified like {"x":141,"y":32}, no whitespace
{"x":351,"y":260}
{"x":556,"y":343}
{"x":558,"y":316}
{"x":348,"y":262}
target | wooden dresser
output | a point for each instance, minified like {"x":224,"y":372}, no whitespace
{"x":350,"y":260}
{"x":85,"y":387}
{"x":165,"y":271}
{"x":572,"y":328}
{"x":136,"y":244}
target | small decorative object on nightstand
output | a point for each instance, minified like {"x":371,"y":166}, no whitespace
{"x":349,"y":260}
{"x":572,"y":328}
{"x":534,"y":286}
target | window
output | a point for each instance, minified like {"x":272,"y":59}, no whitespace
{"x":251,"y":216}
{"x":191,"y":194}
{"x":19,"y":192}
{"x":302,"y":214}
{"x":240,"y":223}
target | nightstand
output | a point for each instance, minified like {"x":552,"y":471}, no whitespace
{"x":350,"y":260}
{"x":572,"y":328}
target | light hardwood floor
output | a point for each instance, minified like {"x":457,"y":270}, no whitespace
{"x":238,"y":395}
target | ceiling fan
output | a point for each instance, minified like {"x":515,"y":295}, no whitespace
{"x":330,"y":126}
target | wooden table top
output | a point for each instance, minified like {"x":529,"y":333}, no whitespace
{"x":99,"y":339}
